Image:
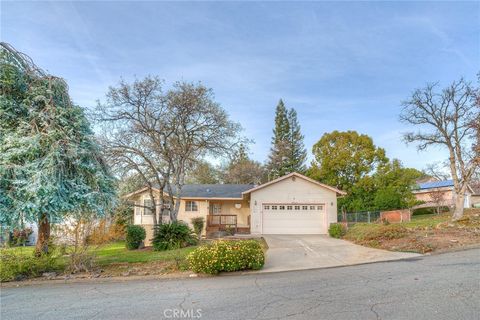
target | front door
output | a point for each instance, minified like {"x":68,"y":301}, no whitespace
{"x":215,"y":208}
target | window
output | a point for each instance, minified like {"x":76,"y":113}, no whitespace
{"x":289,"y":207}
{"x":281,"y":207}
{"x":319,"y":207}
{"x":266,"y":207}
{"x":147,"y":203}
{"x":297,"y":207}
{"x":304,"y":207}
{"x":215,"y":208}
{"x":191,"y":206}
{"x":312,"y":207}
{"x":274,"y":207}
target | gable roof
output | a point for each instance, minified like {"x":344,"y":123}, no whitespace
{"x":301,"y":176}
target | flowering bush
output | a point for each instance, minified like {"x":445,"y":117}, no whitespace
{"x":225,"y":255}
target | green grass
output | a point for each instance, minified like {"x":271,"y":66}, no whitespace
{"x":428,"y":220}
{"x":117,"y":253}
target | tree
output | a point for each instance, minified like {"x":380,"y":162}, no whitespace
{"x":242,"y":170}
{"x":438,"y":198}
{"x":445,"y":119}
{"x":298,"y":153}
{"x":203,"y":173}
{"x":135,"y":136}
{"x":341,"y":159}
{"x":394,"y":184}
{"x":278,"y":164}
{"x":288,"y":152}
{"x":50,"y":165}
{"x":200,"y":127}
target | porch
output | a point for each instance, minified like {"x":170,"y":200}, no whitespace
{"x":226,"y":223}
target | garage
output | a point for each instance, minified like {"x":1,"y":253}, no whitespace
{"x":292,"y":204}
{"x":293,"y":218}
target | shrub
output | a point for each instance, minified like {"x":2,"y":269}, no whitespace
{"x":227,"y":255}
{"x":15,"y":265}
{"x":173,"y":235}
{"x":336,"y":230}
{"x":198,"y":224}
{"x":20,"y":236}
{"x":135,"y":236}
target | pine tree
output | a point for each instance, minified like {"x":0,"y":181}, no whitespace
{"x":50,"y":165}
{"x":278,"y":164}
{"x":298,"y":153}
{"x":288,"y":153}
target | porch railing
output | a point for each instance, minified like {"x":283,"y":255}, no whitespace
{"x":222,"y":221}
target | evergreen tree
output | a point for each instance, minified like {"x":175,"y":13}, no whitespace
{"x":298,"y":153}
{"x":278,"y":164}
{"x":50,"y":165}
{"x":288,"y":153}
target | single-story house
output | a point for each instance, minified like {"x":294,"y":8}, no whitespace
{"x":439,"y":192}
{"x":292,"y":204}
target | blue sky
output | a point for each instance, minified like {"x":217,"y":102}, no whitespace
{"x":342,"y":66}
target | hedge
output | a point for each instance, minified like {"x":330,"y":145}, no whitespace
{"x":228,"y":256}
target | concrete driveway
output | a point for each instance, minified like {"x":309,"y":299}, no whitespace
{"x":300,"y":252}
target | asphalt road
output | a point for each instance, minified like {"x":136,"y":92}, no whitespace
{"x":436,"y":287}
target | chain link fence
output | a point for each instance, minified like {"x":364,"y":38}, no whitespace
{"x":362,"y":216}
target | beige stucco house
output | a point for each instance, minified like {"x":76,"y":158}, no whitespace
{"x":292,"y":204}
{"x":441,"y":192}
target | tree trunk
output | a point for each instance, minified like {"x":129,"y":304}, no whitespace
{"x":459,"y":203}
{"x":43,"y":236}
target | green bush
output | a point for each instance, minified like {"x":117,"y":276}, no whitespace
{"x":198,"y":224}
{"x":174,"y":235}
{"x":135,"y":236}
{"x":225,"y":255}
{"x":336,"y":230}
{"x":15,"y":265}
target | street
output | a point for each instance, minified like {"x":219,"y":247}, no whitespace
{"x":445,"y":286}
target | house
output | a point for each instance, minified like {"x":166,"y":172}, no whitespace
{"x":292,"y":204}
{"x":439,"y":193}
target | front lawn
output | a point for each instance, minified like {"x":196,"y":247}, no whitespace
{"x":112,"y":259}
{"x":425,"y":233}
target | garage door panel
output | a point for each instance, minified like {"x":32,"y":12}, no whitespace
{"x":292,"y":218}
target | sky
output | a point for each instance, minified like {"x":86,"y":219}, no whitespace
{"x":341,"y":65}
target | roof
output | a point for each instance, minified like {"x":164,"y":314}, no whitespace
{"x":435,"y":184}
{"x":207,"y":191}
{"x":214,"y":190}
{"x":296,"y":174}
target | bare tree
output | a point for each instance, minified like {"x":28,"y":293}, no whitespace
{"x":436,"y":170}
{"x":200,"y":127}
{"x":135,"y":133}
{"x":160,"y":136}
{"x":438,"y":198}
{"x":445,"y":119}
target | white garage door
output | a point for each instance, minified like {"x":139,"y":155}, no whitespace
{"x":286,"y":218}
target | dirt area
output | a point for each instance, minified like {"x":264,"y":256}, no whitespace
{"x":424,"y":235}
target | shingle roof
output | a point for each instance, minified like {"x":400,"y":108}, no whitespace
{"x":435,"y":184}
{"x":214,"y":190}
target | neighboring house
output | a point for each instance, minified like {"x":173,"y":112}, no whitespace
{"x":292,"y":204}
{"x":439,"y":193}
{"x":476,"y":196}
